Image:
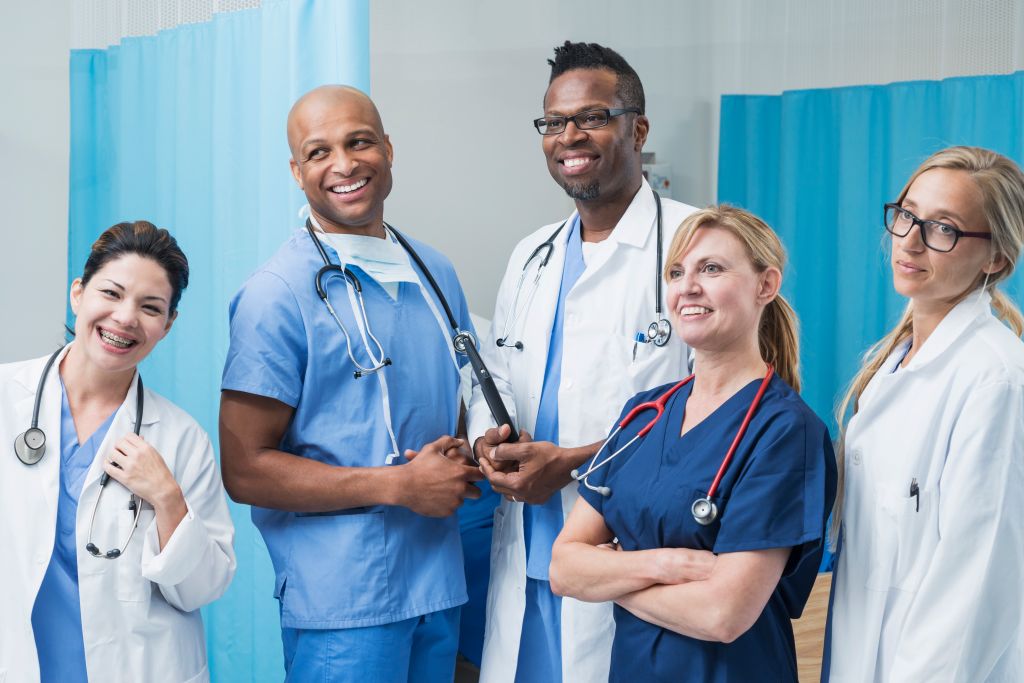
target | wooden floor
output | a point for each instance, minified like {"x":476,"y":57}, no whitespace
{"x":809,"y":631}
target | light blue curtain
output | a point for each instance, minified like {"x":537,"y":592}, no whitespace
{"x":187,"y":129}
{"x":819,"y":164}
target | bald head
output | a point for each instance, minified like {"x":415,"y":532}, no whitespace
{"x":326,"y":103}
{"x":341,"y":159}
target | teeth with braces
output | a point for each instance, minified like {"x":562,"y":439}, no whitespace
{"x":115,"y":340}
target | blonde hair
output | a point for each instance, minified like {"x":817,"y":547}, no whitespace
{"x":778,"y":333}
{"x":1002,"y":188}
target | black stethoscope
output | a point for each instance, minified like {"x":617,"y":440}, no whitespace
{"x":30,"y":447}
{"x":462,"y":341}
{"x":704,"y":510}
{"x":658,"y":332}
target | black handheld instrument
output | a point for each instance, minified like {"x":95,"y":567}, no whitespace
{"x":464,"y":343}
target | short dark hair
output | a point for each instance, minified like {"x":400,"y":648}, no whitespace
{"x":628,"y":87}
{"x":146,"y":240}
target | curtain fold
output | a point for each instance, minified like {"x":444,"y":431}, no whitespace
{"x":819,"y":164}
{"x":187,"y":129}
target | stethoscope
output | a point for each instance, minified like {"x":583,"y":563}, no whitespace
{"x":704,"y":510}
{"x":30,"y":447}
{"x":462,"y":341}
{"x":658,"y":332}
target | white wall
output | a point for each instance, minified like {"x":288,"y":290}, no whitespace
{"x":458,"y":83}
{"x":34,"y":42}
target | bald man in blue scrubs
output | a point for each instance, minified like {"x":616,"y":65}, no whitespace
{"x":316,"y":428}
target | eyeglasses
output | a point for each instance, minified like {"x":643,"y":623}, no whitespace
{"x":585,"y":120}
{"x":935,"y":235}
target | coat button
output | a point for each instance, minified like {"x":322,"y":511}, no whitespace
{"x":856,"y":457}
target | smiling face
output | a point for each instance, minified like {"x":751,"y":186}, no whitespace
{"x":341,"y":158}
{"x":597,"y":163}
{"x":715,"y":294}
{"x":121,"y":313}
{"x":935,"y":280}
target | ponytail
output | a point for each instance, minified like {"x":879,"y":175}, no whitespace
{"x":1006,"y":311}
{"x":873,"y":360}
{"x":779,"y":340}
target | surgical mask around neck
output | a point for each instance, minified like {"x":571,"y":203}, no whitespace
{"x":383,"y":259}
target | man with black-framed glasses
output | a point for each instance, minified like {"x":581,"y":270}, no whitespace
{"x":575,"y":334}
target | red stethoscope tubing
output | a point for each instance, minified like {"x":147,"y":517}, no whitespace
{"x":658,"y":405}
{"x":742,"y":430}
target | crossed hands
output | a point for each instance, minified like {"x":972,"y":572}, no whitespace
{"x":441,"y":476}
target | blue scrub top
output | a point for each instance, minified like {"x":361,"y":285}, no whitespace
{"x":542,"y":523}
{"x":777,"y":493}
{"x":57,"y":612}
{"x":364,"y":566}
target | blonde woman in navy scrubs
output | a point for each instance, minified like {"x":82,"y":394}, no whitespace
{"x":709,"y":601}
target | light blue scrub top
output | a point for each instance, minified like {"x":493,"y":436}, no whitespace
{"x":57,"y":614}
{"x":363,"y":566}
{"x":542,"y":523}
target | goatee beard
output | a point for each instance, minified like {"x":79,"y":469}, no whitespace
{"x":581,"y":191}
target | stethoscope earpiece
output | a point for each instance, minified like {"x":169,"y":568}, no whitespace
{"x":518,"y":346}
{"x":30,"y":446}
{"x":704,"y":511}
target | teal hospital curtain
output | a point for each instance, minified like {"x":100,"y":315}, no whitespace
{"x":817,"y":165}
{"x":186,"y":129}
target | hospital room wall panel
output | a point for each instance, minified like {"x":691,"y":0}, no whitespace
{"x":34,"y":43}
{"x":458,"y":83}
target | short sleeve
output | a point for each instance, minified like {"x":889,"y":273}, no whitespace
{"x":783,"y":495}
{"x":267,"y":351}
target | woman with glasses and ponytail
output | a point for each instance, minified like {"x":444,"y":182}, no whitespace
{"x":929,"y":583}
{"x":115,"y":524}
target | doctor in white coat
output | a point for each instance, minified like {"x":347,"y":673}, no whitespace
{"x":564,"y":352}
{"x":95,"y":587}
{"x":929,"y":584}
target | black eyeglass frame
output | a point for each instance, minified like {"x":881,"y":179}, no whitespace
{"x":921,"y":223}
{"x":580,"y":118}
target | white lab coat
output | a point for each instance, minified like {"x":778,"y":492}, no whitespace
{"x":936,"y":592}
{"x":140,"y":612}
{"x":612,"y":300}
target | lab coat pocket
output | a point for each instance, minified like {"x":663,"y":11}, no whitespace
{"x":131,"y":585}
{"x":918,"y":535}
{"x":905,"y":534}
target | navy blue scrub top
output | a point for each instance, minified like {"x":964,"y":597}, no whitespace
{"x":777,"y":493}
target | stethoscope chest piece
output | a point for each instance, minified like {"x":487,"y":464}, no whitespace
{"x":704,"y":511}
{"x":659,"y":332}
{"x":30,"y":446}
